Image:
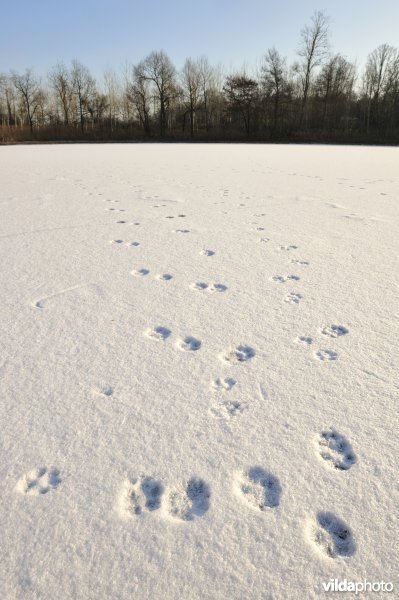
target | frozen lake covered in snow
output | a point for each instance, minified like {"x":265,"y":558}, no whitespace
{"x":198,"y":370}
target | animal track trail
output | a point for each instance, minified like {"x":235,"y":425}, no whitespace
{"x":238,"y":355}
{"x":334,"y":331}
{"x":189,"y":501}
{"x":201,"y":286}
{"x":188,"y":344}
{"x":335,"y":450}
{"x":139,"y":495}
{"x":159,"y":334}
{"x":284,"y":278}
{"x":326,"y":355}
{"x":39,"y":481}
{"x":259,"y":488}
{"x":293,"y":298}
{"x":331,"y":536}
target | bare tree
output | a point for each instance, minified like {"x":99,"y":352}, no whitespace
{"x":335,"y":86}
{"x":313,"y":50}
{"x":158,"y":69}
{"x":83,"y":86}
{"x":273,"y":75}
{"x":113,"y":93}
{"x":381,"y":83}
{"x":60,"y":81}
{"x":28,"y":89}
{"x":192,"y":80}
{"x":139,"y":94}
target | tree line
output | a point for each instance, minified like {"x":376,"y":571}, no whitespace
{"x":321,"y":97}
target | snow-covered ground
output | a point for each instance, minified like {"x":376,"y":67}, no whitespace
{"x":199,"y":370}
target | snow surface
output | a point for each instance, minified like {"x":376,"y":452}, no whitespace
{"x":199,"y":369}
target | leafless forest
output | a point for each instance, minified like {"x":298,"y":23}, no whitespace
{"x":321,"y":97}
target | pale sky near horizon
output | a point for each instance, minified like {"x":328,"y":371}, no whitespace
{"x":103,"y":34}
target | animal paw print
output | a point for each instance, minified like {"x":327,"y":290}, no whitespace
{"x":189,"y":344}
{"x":259,"y":488}
{"x":229,"y":408}
{"x":326,"y":355}
{"x":223,"y":384}
{"x":334,"y":331}
{"x":332,"y":536}
{"x":39,"y":481}
{"x":189,"y":501}
{"x":140,"y":272}
{"x":306,"y":340}
{"x":164,"y":277}
{"x":238,"y":355}
{"x":335,"y":449}
{"x":139,"y":495}
{"x":159,"y":334}
{"x":293,"y":298}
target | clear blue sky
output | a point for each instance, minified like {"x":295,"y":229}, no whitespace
{"x":103,"y":34}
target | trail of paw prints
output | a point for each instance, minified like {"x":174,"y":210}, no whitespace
{"x":240,"y":354}
{"x":186,"y":343}
{"x":188,"y":501}
{"x":284,"y":278}
{"x":201,"y":286}
{"x":39,"y":481}
{"x":331,"y":536}
{"x":333,"y":331}
{"x":139,"y":495}
{"x":120,"y":242}
{"x":335,"y":450}
{"x":259,"y":488}
{"x":144,"y":272}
